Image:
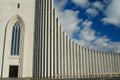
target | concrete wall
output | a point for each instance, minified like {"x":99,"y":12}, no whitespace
{"x":8,"y":10}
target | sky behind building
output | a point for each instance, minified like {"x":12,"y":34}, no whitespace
{"x":92,"y":23}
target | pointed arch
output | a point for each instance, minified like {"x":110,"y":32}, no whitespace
{"x":15,"y":32}
{"x":8,"y":38}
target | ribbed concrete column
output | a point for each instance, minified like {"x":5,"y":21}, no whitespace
{"x":46,"y":40}
{"x":62,"y":54}
{"x":119,"y":63}
{"x":51,"y":39}
{"x":115,"y":58}
{"x":68,"y":52}
{"x":54,"y":44}
{"x":74,"y":63}
{"x":96,"y":64}
{"x":107,"y":63}
{"x":110,"y":64}
{"x":90,"y":63}
{"x":78,"y":63}
{"x":71,"y":60}
{"x":99,"y":64}
{"x":43,"y":41}
{"x":58,"y":49}
{"x":87,"y":63}
{"x":82,"y":65}
{"x":66,"y":56}
{"x":75,"y":59}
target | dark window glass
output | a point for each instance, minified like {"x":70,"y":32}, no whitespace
{"x":15,"y":45}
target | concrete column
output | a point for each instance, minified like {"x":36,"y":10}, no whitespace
{"x":49,"y":38}
{"x":81,"y":59}
{"x":66,"y":56}
{"x":71,"y":56}
{"x":90,"y":63}
{"x":59,"y":51}
{"x":98,"y":54}
{"x":87,"y":62}
{"x":75,"y":59}
{"x":43,"y":41}
{"x":68,"y":52}
{"x":78,"y":61}
{"x":107,"y":61}
{"x":54,"y":44}
{"x":52,"y":13}
{"x":93,"y":62}
{"x":46,"y":40}
{"x":62,"y":54}
{"x":96,"y":65}
{"x":119,"y":63}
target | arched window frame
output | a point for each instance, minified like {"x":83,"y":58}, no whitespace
{"x":15,"y":43}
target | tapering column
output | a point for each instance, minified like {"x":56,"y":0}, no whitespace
{"x":90,"y":63}
{"x":43,"y":41}
{"x":75,"y":59}
{"x":87,"y":63}
{"x":46,"y":40}
{"x":81,"y":59}
{"x":49,"y":38}
{"x":64,"y":52}
{"x":58,"y":49}
{"x":52,"y":13}
{"x":78,"y":61}
{"x":68,"y":54}
{"x":54,"y":44}
{"x":71,"y":56}
{"x":99,"y":68}
{"x":73,"y":45}
{"x":61,"y":49}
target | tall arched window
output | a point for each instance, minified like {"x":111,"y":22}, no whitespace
{"x":15,"y":44}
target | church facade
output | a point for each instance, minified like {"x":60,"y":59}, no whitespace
{"x":35,"y":46}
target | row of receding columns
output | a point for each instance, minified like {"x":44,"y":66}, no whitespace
{"x":58,"y":56}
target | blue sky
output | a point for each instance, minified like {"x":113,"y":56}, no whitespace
{"x":92,"y":23}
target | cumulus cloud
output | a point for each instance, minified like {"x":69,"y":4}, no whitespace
{"x":87,"y":32}
{"x":98,"y":5}
{"x":87,"y":36}
{"x":82,"y":3}
{"x":60,"y":4}
{"x":113,"y":13}
{"x":92,"y":12}
{"x":69,"y":20}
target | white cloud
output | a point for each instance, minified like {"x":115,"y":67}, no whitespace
{"x":111,"y":20}
{"x":69,"y":20}
{"x":89,"y":39}
{"x":87,"y":36}
{"x":113,"y":13}
{"x":82,"y":3}
{"x":98,"y":5}
{"x":60,"y":4}
{"x":92,"y":12}
{"x":87,"y":32}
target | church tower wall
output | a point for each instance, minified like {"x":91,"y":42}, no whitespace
{"x":25,"y":10}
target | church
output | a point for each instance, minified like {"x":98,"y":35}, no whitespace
{"x":34,"y":45}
